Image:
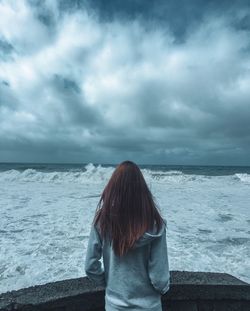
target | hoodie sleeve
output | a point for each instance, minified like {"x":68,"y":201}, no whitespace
{"x":93,"y":266}
{"x":158,"y":265}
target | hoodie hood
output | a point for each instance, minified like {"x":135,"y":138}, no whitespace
{"x":150,"y":235}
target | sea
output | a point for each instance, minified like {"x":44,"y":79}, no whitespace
{"x":46,"y":212}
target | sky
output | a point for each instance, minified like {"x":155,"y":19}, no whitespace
{"x":155,"y":82}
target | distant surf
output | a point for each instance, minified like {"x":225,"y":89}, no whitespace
{"x":95,"y":173}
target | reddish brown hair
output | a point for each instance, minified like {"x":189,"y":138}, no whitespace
{"x":126,"y":208}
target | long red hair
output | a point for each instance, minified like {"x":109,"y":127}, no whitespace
{"x":126,"y":208}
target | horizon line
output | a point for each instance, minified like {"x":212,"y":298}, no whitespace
{"x":114,"y":164}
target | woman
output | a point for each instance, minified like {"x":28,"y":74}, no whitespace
{"x":130,"y":234}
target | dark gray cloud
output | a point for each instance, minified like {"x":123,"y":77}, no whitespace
{"x":6,"y":50}
{"x":180,"y":17}
{"x":102,"y":81}
{"x":73,"y":107}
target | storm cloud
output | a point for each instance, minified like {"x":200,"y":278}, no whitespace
{"x":84,"y":81}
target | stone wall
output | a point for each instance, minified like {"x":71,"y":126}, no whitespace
{"x":189,"y":291}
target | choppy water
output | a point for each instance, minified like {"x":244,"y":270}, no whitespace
{"x":46,"y":211}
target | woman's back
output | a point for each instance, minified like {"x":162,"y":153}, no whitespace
{"x":130,"y":234}
{"x":136,"y":280}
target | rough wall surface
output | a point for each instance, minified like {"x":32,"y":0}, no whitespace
{"x":189,"y":291}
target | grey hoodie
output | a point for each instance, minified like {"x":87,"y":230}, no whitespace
{"x":135,"y":281}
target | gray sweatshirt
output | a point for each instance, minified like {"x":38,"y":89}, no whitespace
{"x":135,"y":281}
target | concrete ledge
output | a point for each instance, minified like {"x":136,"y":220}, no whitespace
{"x":194,"y":291}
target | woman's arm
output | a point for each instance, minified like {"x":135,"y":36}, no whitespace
{"x":158,"y":266}
{"x":93,"y":266}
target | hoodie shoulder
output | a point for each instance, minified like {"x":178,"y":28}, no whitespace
{"x":150,"y":235}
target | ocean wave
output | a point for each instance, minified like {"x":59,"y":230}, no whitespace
{"x":90,"y":174}
{"x":99,"y":174}
{"x":243,"y":177}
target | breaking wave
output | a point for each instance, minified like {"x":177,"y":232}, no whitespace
{"x":97,"y":174}
{"x":243,"y":177}
{"x":89,"y":174}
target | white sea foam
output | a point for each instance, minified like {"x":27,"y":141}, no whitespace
{"x":91,"y":174}
{"x":46,"y":216}
{"x":243,"y":177}
{"x":95,"y":174}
